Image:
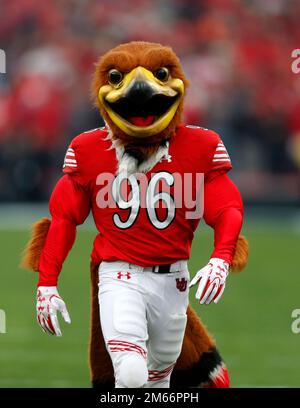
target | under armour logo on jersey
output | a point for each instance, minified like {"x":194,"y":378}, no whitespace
{"x":167,"y":157}
{"x":120,"y":275}
{"x":181,"y":284}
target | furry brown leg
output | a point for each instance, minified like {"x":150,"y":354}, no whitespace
{"x":102,"y":375}
{"x":199,"y":364}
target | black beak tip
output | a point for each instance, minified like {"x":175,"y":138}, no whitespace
{"x":139,"y":92}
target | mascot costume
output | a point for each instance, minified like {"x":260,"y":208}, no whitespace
{"x":143,"y":332}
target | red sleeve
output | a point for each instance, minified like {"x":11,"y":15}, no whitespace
{"x":69,"y":206}
{"x":223,"y":211}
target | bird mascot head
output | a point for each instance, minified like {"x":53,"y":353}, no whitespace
{"x":139,"y":88}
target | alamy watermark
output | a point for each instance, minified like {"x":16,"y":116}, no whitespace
{"x":295,"y":66}
{"x":2,"y":71}
{"x":295,"y":326}
{"x":171,"y":191}
{"x":2,"y":322}
{"x":2,"y":62}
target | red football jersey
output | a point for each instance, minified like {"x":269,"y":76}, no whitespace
{"x":146,"y":239}
{"x":146,"y":220}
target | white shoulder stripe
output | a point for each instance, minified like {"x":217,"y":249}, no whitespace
{"x":221,"y":160}
{"x":70,"y":159}
{"x":221,"y":149}
{"x":221,"y":155}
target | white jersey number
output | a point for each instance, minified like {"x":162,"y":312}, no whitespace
{"x":152,"y":200}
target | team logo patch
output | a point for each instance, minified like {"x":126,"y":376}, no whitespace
{"x":181,"y":284}
{"x":126,"y":275}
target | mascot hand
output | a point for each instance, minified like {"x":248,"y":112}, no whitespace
{"x":48,"y":303}
{"x":211,"y":281}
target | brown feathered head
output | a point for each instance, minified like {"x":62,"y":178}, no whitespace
{"x":139,"y":88}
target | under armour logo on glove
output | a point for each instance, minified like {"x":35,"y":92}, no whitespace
{"x":211,"y":281}
{"x":181,"y":284}
{"x":120,"y":275}
{"x":48,"y":303}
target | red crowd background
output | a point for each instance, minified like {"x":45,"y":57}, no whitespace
{"x":237,"y":55}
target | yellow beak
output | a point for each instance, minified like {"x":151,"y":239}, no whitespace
{"x":136,"y":92}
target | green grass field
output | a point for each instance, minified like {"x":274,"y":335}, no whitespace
{"x":252,"y":323}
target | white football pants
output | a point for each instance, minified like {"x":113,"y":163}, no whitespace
{"x":143,"y":319}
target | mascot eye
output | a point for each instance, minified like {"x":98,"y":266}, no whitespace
{"x":162,"y":74}
{"x":114,"y":76}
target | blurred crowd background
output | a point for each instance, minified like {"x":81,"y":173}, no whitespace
{"x":236,"y":54}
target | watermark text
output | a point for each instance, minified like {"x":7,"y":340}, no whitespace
{"x":295,"y":327}
{"x":295,"y":66}
{"x":2,"y":62}
{"x":2,"y":322}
